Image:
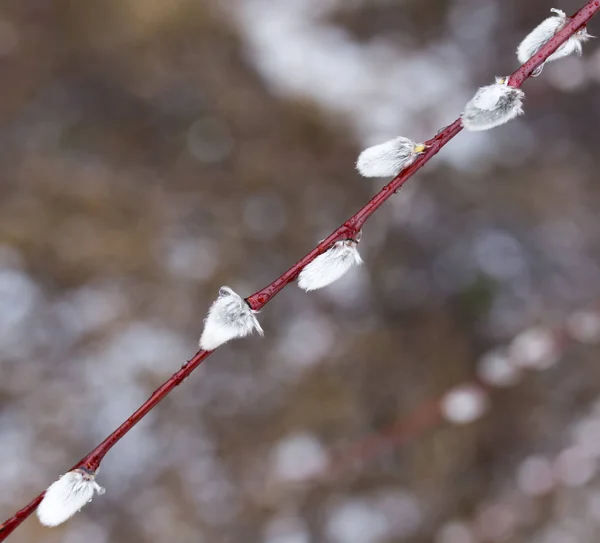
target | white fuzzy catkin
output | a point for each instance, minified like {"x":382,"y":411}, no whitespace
{"x":492,"y":106}
{"x":67,"y":496}
{"x":540,"y":35}
{"x":329,"y":266}
{"x":388,"y":158}
{"x":229,"y":317}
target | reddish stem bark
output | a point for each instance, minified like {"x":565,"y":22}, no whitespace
{"x":353,"y":225}
{"x":348,"y":230}
{"x":421,"y":419}
{"x":351,"y":228}
{"x":93,"y":459}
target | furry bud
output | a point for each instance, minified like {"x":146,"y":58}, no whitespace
{"x":329,"y":266}
{"x":229,"y":317}
{"x":542,"y":33}
{"x":388,"y":158}
{"x":492,"y":106}
{"x":67,"y":496}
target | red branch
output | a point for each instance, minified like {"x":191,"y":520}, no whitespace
{"x":422,"y":418}
{"x":349,"y":230}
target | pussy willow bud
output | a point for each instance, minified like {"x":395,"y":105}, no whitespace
{"x":68,"y":495}
{"x":229,"y":317}
{"x":542,"y":33}
{"x":389,"y":158}
{"x":492,"y":106}
{"x":330,"y":266}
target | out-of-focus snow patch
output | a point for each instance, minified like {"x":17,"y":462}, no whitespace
{"x":264,"y":216}
{"x":574,"y":467}
{"x":286,"y":529}
{"x":191,"y":258}
{"x":90,"y":307}
{"x":535,"y":476}
{"x":10,"y":257}
{"x":402,"y":511}
{"x":455,"y":532}
{"x":357,"y":521}
{"x":586,"y":434}
{"x":495,"y":368}
{"x":86,"y":531}
{"x":464,"y":404}
{"x":298,"y":457}
{"x":141,"y":346}
{"x":20,"y":302}
{"x":18,"y":297}
{"x":496,"y":522}
{"x":306,"y":341}
{"x":534,"y":348}
{"x":209,"y":140}
{"x":499,"y":255}
{"x":380,"y":86}
{"x":568,"y":75}
{"x":584,"y":326}
{"x":215,"y":493}
{"x":392,"y":513}
{"x":16,"y":466}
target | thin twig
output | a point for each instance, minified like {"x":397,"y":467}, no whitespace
{"x":349,"y":230}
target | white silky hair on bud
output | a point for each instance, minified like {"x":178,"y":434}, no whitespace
{"x":492,"y":106}
{"x":67,"y":495}
{"x":229,"y":317}
{"x":329,"y":266}
{"x":540,"y":35}
{"x":388,"y":158}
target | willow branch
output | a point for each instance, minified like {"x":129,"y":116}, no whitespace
{"x":348,"y":230}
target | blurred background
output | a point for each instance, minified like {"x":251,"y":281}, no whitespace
{"x":154,"y":150}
